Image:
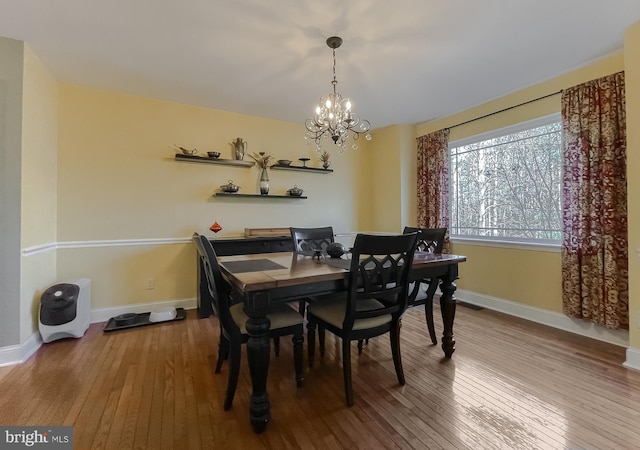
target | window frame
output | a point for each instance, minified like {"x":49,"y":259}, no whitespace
{"x":524,"y":243}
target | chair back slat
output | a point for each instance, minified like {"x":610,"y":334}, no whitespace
{"x":219,"y":289}
{"x":311,"y":239}
{"x":379,"y":270}
{"x":429,"y":239}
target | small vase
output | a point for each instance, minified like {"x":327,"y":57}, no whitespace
{"x":264,"y":182}
{"x":239,"y":149}
{"x":326,"y":164}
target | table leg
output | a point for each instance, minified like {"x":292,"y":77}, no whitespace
{"x":258,"y":353}
{"x":448,"y":309}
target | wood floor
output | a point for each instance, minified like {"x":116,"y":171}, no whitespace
{"x":511,"y":384}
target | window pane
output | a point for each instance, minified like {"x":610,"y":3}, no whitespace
{"x":508,"y":187}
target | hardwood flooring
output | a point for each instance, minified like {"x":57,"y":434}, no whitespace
{"x":511,"y":384}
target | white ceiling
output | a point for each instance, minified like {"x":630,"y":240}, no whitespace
{"x":402,"y":61}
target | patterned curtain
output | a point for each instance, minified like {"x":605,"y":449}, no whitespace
{"x":594,"y":192}
{"x":433,"y":182}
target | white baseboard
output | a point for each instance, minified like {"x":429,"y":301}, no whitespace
{"x":556,"y":320}
{"x":546,"y":317}
{"x":17,"y":354}
{"x":633,"y":358}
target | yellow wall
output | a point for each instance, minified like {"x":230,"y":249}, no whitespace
{"x":525,"y":276}
{"x":38,"y":188}
{"x":409,"y":175}
{"x":383,"y":189}
{"x":632,"y":77}
{"x":118,"y":180}
{"x":391,"y":180}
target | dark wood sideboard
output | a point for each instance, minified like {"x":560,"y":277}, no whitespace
{"x":237,"y":246}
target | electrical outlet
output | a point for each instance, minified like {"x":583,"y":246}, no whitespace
{"x":149,"y":283}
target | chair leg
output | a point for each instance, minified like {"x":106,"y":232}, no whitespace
{"x":223,"y":352}
{"x":298,"y":339}
{"x":302,"y":305}
{"x":428,"y":310}
{"x":346,"y":369}
{"x":395,"y":350}
{"x":311,"y":341}
{"x":360,"y":342}
{"x":276,"y":345}
{"x":321,"y":340}
{"x":234,"y":373}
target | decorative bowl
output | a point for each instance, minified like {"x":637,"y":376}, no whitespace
{"x":336,"y":250}
{"x":284,"y":162}
{"x":162,"y":314}
{"x":295,"y":191}
{"x":188,"y":152}
{"x":125,"y":319}
{"x":213,"y":154}
{"x":230,"y":187}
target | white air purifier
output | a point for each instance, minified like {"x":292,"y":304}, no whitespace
{"x":65,"y":309}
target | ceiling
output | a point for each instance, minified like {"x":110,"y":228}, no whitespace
{"x":402,"y":62}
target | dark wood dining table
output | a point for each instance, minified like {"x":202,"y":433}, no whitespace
{"x":261,"y":280}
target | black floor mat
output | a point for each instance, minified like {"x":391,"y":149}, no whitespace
{"x":140,"y":320}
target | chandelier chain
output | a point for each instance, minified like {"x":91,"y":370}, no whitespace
{"x":334,"y":82}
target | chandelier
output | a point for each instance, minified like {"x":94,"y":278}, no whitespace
{"x":334,"y":118}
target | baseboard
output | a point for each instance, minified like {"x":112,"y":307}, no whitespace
{"x":633,"y":358}
{"x":546,"y":317}
{"x":17,"y":354}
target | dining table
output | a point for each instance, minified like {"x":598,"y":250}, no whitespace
{"x":264,"y":279}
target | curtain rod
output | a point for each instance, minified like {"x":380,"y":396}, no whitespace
{"x":505,"y":109}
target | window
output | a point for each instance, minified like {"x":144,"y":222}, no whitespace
{"x":505,"y":185}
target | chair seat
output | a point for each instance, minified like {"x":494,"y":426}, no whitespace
{"x":333,"y":312}
{"x":282,"y":316}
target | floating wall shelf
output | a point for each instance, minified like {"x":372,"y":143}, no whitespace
{"x":205,"y":159}
{"x":227,"y":194}
{"x":301,"y":168}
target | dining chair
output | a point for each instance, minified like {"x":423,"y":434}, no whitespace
{"x":311,"y":239}
{"x":429,"y":240}
{"x":308,"y":241}
{"x":375,"y":301}
{"x":284,"y":321}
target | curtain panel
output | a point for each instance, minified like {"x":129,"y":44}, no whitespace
{"x":594,"y":195}
{"x":433,"y":182}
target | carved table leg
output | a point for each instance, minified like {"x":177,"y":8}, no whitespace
{"x":258,"y":352}
{"x":448,"y":309}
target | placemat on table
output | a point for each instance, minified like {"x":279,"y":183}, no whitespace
{"x":253,"y":265}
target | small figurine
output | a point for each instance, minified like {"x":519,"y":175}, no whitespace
{"x":215,"y":227}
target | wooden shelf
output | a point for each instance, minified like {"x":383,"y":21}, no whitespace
{"x":301,"y":168}
{"x":227,"y":194}
{"x":207,"y":160}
